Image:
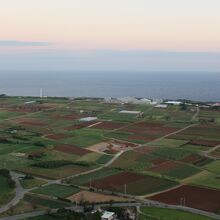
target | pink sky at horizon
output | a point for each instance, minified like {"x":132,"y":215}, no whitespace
{"x":164,"y":25}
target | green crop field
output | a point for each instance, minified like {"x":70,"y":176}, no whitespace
{"x":56,"y":190}
{"x":148,"y":185}
{"x":171,"y":153}
{"x":30,"y":183}
{"x":206,"y":179}
{"x":47,"y":140}
{"x":169,"y":143}
{"x":213,"y":167}
{"x":53,"y":204}
{"x":93,"y":176}
{"x":151,"y":213}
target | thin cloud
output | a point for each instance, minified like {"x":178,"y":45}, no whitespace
{"x":14,"y":43}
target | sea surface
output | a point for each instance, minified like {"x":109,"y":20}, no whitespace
{"x":157,"y":85}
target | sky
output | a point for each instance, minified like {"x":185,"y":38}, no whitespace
{"x":145,"y":35}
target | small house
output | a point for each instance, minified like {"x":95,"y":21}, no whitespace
{"x":108,"y":216}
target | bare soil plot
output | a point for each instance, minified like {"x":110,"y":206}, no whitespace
{"x":204,"y":131}
{"x":112,"y":146}
{"x":191,"y":196}
{"x":66,"y":117}
{"x":108,"y":125}
{"x":93,"y":197}
{"x":100,"y":147}
{"x":33,"y":122}
{"x":67,"y":148}
{"x":81,"y":125}
{"x":131,"y":183}
{"x":119,"y":179}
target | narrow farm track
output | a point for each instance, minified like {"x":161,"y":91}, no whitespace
{"x":19,"y":193}
{"x":207,"y":153}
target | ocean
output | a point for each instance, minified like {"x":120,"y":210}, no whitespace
{"x":157,"y":85}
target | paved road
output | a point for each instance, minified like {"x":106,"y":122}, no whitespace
{"x":19,"y":192}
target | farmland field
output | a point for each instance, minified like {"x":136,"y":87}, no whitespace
{"x":175,"y":170}
{"x":151,"y":213}
{"x":206,"y":179}
{"x":56,"y":190}
{"x":192,"y":196}
{"x":164,"y":154}
{"x":131,"y":183}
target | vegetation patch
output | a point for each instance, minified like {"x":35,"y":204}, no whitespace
{"x":152,"y":213}
{"x":7,"y":186}
{"x":56,"y":190}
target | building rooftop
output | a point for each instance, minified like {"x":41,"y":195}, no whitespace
{"x":130,"y":112}
{"x":88,"y":119}
{"x":107,"y":215}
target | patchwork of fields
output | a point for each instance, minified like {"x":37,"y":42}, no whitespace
{"x":166,"y":155}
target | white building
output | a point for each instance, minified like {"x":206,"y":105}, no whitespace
{"x":173,"y":102}
{"x":108,"y":216}
{"x":161,"y":106}
{"x":88,"y":119}
{"x":130,"y":112}
{"x":29,"y":102}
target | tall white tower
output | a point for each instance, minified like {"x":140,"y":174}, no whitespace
{"x":41,"y":93}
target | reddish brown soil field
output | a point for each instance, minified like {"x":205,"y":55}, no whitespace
{"x":108,"y":125}
{"x":119,"y":179}
{"x":138,"y":137}
{"x":158,"y":161}
{"x":66,"y":117}
{"x":195,"y":197}
{"x":81,"y":125}
{"x":149,"y":124}
{"x":206,"y":131}
{"x":58,"y":136}
{"x":205,"y":143}
{"x":66,"y":148}
{"x":193,"y":159}
{"x":166,"y":166}
{"x":33,"y":123}
{"x":157,"y":129}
